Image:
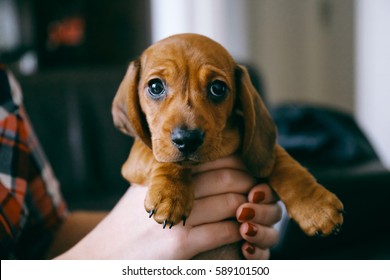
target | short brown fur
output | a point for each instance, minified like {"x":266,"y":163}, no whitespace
{"x":188,"y":63}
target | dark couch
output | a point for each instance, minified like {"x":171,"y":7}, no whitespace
{"x":70,"y":111}
{"x":333,"y":147}
{"x":71,"y":114}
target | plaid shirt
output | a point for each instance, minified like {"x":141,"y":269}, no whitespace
{"x":31,"y":205}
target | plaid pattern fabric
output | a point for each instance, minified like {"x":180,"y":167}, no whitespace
{"x":31,"y":205}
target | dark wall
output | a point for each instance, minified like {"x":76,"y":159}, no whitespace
{"x":113,"y":31}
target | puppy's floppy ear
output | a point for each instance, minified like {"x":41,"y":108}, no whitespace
{"x":258,"y":143}
{"x":126,"y":110}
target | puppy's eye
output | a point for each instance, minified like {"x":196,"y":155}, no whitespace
{"x":217,"y":90}
{"x":156,"y":88}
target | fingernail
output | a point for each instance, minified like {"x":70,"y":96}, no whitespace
{"x":246,"y":214}
{"x":250,"y":249}
{"x":258,"y":197}
{"x":252,"y":230}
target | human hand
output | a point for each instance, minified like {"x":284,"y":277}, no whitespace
{"x":258,"y":217}
{"x":128,"y":233}
{"x":258,"y":213}
{"x":221,"y":189}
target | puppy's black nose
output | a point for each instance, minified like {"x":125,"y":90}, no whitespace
{"x":187,"y":141}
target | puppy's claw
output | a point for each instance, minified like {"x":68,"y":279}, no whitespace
{"x":337,"y":229}
{"x":151,"y":213}
{"x":184,"y":220}
{"x":171,"y":225}
{"x":165,"y":224}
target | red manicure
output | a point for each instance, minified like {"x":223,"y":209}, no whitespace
{"x":258,"y":197}
{"x":246,"y":214}
{"x":250,"y":249}
{"x":252,"y":230}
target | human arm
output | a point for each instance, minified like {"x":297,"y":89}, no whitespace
{"x":220,"y":189}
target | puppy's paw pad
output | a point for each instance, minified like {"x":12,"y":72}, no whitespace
{"x":319,"y":215}
{"x":325,"y":219}
{"x":168,"y":209}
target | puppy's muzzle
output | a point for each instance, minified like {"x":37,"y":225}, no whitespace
{"x":187,"y":141}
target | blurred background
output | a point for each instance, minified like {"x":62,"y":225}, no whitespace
{"x":322,"y":66}
{"x":319,"y":51}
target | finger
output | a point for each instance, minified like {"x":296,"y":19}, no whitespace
{"x":262,"y":193}
{"x":251,"y":252}
{"x":263,"y":214}
{"x":230,"y":162}
{"x":210,"y":236}
{"x":261,"y":236}
{"x":215,"y":208}
{"x":222,"y":181}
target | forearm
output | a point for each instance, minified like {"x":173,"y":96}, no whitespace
{"x":127,"y":233}
{"x":77,"y":225}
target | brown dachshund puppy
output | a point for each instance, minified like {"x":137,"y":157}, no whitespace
{"x":187,"y":102}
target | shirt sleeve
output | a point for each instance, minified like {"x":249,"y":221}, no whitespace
{"x":31,"y":204}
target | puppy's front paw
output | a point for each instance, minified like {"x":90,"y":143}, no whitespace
{"x":319,"y":214}
{"x":169,"y":204}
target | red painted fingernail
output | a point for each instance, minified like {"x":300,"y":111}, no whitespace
{"x":250,"y":249}
{"x":258,"y":197}
{"x":246,"y":214}
{"x":252,"y":230}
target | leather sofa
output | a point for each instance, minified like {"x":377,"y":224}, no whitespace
{"x":70,"y":111}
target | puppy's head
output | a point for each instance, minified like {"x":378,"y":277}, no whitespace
{"x":188,"y":100}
